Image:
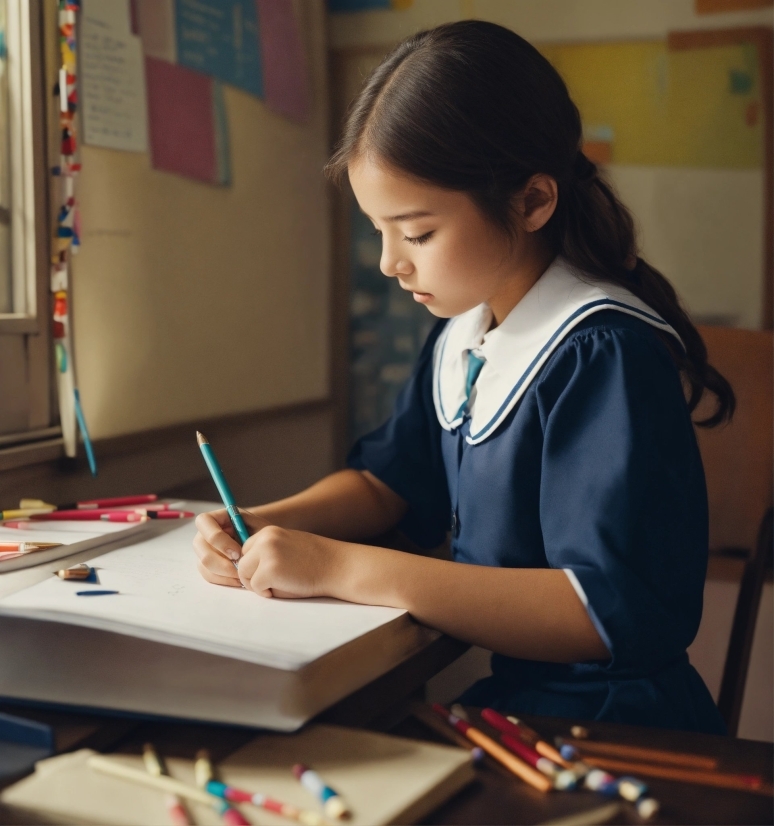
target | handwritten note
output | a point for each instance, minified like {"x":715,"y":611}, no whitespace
{"x":113,"y":84}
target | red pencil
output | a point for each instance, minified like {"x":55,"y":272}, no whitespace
{"x":530,"y":737}
{"x":117,"y":501}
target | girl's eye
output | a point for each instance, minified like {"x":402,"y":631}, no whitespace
{"x":376,"y":232}
{"x":420,"y":239}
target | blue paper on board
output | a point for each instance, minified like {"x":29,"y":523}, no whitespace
{"x":220,"y":38}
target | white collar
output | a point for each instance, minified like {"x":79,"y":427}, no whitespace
{"x":517,"y":349}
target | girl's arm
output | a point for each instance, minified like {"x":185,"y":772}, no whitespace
{"x":526,"y":613}
{"x":346,"y":505}
{"x":350,"y":504}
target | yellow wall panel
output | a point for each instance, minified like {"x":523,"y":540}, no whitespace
{"x":697,"y":108}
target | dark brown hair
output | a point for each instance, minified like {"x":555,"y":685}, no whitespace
{"x":473,"y":107}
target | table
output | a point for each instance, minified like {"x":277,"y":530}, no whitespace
{"x":496,"y":797}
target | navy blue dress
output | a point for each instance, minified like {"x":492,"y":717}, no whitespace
{"x":596,"y":470}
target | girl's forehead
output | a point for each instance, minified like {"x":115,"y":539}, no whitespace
{"x":384,"y":192}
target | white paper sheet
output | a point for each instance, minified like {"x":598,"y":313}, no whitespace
{"x":112,"y":78}
{"x":163,"y":598}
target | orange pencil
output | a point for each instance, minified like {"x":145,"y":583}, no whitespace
{"x":501,"y":754}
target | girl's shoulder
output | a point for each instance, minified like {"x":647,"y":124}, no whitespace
{"x":613,"y":347}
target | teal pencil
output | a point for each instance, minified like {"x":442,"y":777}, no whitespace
{"x":223,"y":489}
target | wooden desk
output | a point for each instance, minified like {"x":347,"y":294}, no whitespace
{"x":498,"y":798}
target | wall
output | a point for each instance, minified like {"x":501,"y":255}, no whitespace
{"x":192,"y":301}
{"x":718,"y":272}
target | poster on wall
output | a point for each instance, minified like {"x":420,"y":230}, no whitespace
{"x":220,"y":38}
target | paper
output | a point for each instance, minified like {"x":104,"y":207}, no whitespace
{"x":284,"y":64}
{"x":220,"y":38}
{"x":164,"y":598}
{"x":156,"y":24}
{"x":113,"y":14}
{"x":112,"y":77}
{"x":181,"y":109}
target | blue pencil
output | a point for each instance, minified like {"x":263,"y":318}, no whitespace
{"x":223,"y":489}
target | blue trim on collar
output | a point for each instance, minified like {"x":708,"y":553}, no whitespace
{"x":599,"y":303}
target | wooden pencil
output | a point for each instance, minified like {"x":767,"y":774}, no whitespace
{"x":529,"y":775}
{"x":743,"y":782}
{"x":646,"y":755}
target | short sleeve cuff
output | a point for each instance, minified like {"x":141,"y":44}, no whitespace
{"x":578,"y":588}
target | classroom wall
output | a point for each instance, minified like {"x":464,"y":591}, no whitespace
{"x":193,"y":301}
{"x":717,"y":271}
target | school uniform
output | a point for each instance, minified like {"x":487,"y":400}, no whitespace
{"x":561,"y":439}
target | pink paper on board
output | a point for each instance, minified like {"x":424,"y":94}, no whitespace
{"x":285,"y":77}
{"x":181,"y":120}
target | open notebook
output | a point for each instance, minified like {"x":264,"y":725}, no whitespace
{"x":169,"y":641}
{"x":384,"y":780}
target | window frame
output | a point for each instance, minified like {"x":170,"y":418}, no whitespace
{"x":25,"y":334}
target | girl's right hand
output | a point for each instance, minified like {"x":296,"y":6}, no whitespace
{"x":217,"y":547}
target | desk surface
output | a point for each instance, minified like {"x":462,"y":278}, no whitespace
{"x":498,"y":798}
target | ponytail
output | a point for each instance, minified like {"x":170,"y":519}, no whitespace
{"x":473,"y":107}
{"x":594,"y":231}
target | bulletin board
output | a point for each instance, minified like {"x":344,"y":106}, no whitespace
{"x":194,"y":301}
{"x":661,"y":107}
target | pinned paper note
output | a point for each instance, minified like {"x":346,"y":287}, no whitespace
{"x":285,"y":73}
{"x":113,"y":83}
{"x":187,"y":135}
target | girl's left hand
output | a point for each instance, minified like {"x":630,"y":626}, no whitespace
{"x":290,"y":564}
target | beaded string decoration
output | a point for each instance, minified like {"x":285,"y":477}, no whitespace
{"x":67,"y":235}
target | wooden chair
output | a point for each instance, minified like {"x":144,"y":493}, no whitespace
{"x":743,"y":628}
{"x":739,"y":467}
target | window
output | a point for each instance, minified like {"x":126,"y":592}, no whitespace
{"x":25,"y":408}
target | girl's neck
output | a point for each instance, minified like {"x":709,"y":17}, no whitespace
{"x":534,"y":258}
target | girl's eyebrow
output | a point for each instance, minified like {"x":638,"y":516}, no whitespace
{"x":406,"y":216}
{"x":409,"y":216}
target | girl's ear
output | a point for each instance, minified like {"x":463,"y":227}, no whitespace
{"x":536,"y":203}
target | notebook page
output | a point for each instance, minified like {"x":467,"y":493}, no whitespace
{"x":163,"y":598}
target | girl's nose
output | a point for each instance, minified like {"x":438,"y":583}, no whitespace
{"x":392,"y":265}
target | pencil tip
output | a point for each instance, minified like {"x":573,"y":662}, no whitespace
{"x":201,"y":438}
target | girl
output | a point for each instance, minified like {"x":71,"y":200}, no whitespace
{"x":547,"y":424}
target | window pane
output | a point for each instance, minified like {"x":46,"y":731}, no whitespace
{"x":6,"y":305}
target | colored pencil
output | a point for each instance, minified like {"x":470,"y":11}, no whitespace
{"x":223,"y":488}
{"x":515,"y":728}
{"x":743,"y":782}
{"x":646,"y":755}
{"x":26,"y":547}
{"x":203,"y":776}
{"x":87,"y":515}
{"x":114,"y":502}
{"x":262,"y":801}
{"x":177,"y":813}
{"x":164,"y":783}
{"x":429,"y":718}
{"x":333,"y":803}
{"x":500,"y":753}
{"x":529,"y":755}
{"x":22,"y":513}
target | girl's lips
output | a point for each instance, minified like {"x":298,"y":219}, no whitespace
{"x":422,"y":298}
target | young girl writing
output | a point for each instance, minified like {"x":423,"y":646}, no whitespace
{"x":547,"y":424}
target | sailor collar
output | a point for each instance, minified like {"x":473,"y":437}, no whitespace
{"x":517,"y":349}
